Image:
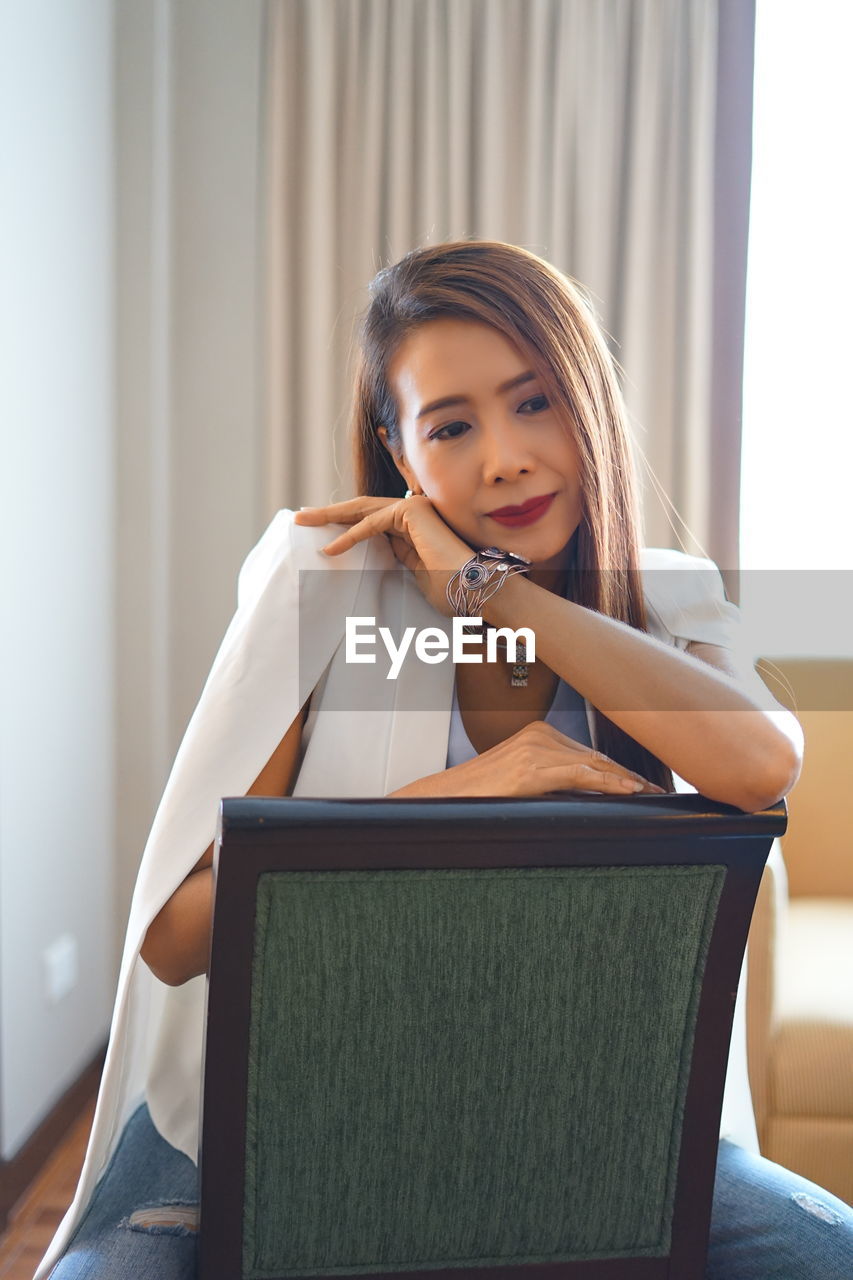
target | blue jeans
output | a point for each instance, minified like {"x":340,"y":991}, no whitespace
{"x":123,"y":1236}
{"x":766,"y":1224}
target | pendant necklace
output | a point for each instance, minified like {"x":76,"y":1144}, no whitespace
{"x":520,"y":672}
{"x":520,"y":668}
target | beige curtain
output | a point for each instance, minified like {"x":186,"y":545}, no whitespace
{"x":582,"y":129}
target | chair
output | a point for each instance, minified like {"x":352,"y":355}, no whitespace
{"x":800,"y":994}
{"x":472,"y":1036}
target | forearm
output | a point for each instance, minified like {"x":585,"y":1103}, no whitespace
{"x":421,"y":787}
{"x":177,"y":944}
{"x":696,"y":719}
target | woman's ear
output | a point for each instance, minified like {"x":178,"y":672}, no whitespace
{"x":399,"y":461}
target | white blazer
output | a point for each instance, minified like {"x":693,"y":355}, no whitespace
{"x":284,"y":642}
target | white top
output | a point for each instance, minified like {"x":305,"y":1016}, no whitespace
{"x":285,"y":642}
{"x":567,"y":712}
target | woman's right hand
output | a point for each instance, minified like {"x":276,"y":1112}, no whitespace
{"x":536,"y":760}
{"x":420,"y":538}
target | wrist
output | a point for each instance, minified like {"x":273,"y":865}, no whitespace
{"x":421,"y":788}
{"x":482,"y":576}
{"x":510,"y":604}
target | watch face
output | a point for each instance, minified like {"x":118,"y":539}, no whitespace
{"x":510,"y":557}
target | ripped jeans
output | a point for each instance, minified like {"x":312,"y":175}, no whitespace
{"x":142,"y":1223}
{"x":766,"y":1224}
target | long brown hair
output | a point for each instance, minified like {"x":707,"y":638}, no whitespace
{"x":546,"y":314}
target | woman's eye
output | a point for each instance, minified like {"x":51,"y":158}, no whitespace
{"x":536,"y":404}
{"x":450,"y":431}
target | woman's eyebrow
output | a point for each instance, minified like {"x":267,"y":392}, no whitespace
{"x":527,"y":376}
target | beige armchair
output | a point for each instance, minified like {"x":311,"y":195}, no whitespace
{"x":800,"y":989}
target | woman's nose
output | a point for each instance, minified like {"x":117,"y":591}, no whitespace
{"x":505,"y":454}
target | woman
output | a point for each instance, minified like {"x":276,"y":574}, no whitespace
{"x":487,"y":415}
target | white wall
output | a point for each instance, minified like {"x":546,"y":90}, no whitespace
{"x":56,"y":533}
{"x":188,"y":119}
{"x":130,"y":485}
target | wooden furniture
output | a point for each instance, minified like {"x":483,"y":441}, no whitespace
{"x":477,"y":1037}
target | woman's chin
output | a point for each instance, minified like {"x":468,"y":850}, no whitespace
{"x":540,"y":545}
{"x":544,"y":552}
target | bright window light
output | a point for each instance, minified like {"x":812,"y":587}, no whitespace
{"x":797,"y":465}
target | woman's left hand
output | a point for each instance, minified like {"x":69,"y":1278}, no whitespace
{"x":419,"y":537}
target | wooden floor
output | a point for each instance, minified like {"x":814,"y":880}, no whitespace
{"x":37,"y":1214}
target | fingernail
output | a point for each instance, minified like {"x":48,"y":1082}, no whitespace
{"x":630,"y":785}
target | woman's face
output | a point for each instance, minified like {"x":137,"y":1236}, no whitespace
{"x":481,"y":440}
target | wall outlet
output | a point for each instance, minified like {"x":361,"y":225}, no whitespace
{"x":60,"y":967}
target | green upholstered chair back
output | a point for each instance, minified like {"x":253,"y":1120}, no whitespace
{"x":466,"y":1033}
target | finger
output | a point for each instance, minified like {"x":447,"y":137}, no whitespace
{"x":618,"y":778}
{"x":583,"y":777}
{"x":605,"y":767}
{"x":555,"y":739}
{"x":311,"y":515}
{"x":376,"y":522}
{"x":597,"y":759}
{"x":352,"y":510}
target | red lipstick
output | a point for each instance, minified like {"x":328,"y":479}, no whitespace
{"x":527,"y":513}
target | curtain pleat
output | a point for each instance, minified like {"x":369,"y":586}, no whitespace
{"x":581,"y":129}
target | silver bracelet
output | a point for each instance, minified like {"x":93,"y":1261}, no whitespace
{"x":480,"y":578}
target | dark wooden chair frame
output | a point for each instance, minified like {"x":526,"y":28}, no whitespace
{"x":260,"y":835}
